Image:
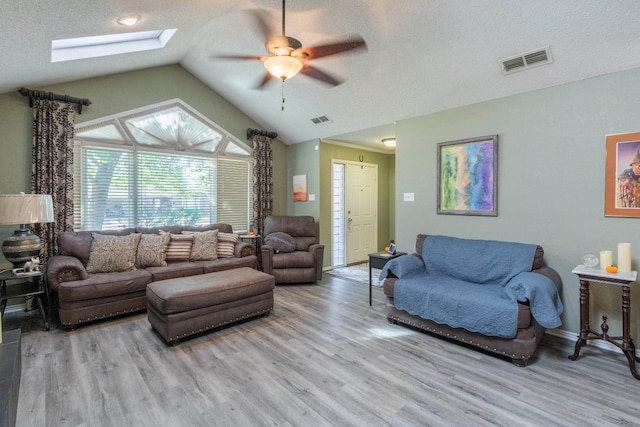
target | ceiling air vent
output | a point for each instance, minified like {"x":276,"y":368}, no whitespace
{"x":526,"y":60}
{"x":320,"y":120}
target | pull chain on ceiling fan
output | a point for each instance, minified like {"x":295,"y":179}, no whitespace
{"x":287,"y":57}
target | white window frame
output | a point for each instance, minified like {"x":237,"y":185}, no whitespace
{"x":228,"y":151}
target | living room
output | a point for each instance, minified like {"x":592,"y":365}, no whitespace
{"x":551,"y":184}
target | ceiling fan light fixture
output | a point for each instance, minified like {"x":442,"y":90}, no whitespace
{"x":389,"y":142}
{"x":283,"y":67}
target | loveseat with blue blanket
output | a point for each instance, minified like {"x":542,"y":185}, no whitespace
{"x":498,"y":296}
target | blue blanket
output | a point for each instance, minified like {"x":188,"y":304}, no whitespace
{"x":542,"y":294}
{"x":477,"y":261}
{"x":474,"y":284}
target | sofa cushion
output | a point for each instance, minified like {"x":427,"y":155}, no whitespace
{"x":152,"y":250}
{"x":104,"y":285}
{"x":113,"y":253}
{"x":226,"y":245}
{"x":205,"y":245}
{"x":174,"y":270}
{"x":179,"y":248}
{"x":280,"y":242}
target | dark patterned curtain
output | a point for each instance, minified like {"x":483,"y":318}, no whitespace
{"x":51,"y":170}
{"x":262,"y":181}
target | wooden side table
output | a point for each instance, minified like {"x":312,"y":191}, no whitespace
{"x":624,"y":342}
{"x":378,"y":260}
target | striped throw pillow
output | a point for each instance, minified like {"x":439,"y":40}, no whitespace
{"x":226,"y":245}
{"x":179,"y":248}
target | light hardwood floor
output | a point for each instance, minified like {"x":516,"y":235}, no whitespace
{"x":323,"y":358}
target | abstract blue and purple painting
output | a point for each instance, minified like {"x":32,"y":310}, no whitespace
{"x":467,"y":173}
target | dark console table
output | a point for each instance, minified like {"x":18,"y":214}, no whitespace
{"x":10,"y":372}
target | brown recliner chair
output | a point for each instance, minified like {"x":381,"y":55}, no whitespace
{"x":304,"y":264}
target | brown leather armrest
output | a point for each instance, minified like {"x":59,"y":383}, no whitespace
{"x":243,"y":249}
{"x":64,"y":268}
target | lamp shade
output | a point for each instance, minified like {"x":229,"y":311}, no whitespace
{"x":25,"y":208}
{"x":283,"y":67}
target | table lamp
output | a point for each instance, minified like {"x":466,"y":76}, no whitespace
{"x":24,"y":209}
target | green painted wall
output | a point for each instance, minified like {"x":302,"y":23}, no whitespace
{"x":550,"y":183}
{"x":112,"y":94}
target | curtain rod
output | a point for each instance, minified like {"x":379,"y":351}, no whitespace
{"x":38,"y":94}
{"x":252,"y":132}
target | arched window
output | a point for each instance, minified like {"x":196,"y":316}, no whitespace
{"x":163,"y":164}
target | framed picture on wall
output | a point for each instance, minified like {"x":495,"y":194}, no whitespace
{"x":468,"y":176}
{"x":300,"y":188}
{"x":622,"y":175}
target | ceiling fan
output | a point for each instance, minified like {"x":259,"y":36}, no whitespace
{"x":287,"y":57}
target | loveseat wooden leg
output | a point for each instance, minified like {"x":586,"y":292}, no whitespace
{"x":520,"y":363}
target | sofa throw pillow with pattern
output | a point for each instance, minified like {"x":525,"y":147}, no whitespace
{"x":112,"y":253}
{"x":226,"y":245}
{"x":179,"y":248}
{"x":152,"y":250}
{"x":280,"y":242}
{"x":205,"y":245}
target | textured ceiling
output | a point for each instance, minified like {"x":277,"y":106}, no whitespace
{"x":423,"y":55}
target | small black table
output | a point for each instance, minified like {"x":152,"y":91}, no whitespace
{"x":255,"y":240}
{"x":33,"y":284}
{"x":378,"y":260}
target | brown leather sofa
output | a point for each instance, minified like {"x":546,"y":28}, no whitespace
{"x":304,"y":263}
{"x":518,"y":349}
{"x":84,"y":297}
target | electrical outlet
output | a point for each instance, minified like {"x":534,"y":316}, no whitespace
{"x":409,"y":197}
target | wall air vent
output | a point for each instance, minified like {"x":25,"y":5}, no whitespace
{"x":526,"y":60}
{"x":320,"y":120}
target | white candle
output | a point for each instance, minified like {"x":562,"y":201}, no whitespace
{"x":624,"y":257}
{"x":606,"y":259}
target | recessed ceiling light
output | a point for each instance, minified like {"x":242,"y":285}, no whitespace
{"x":129,"y":20}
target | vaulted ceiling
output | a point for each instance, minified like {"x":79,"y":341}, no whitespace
{"x":423,"y":55}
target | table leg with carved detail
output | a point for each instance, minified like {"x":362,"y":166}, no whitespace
{"x":584,"y":319}
{"x":628,"y":348}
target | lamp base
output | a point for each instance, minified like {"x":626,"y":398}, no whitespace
{"x":21,"y":247}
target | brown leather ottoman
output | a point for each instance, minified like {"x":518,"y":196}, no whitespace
{"x":188,"y":305}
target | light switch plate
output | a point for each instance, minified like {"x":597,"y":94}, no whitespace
{"x":409,"y":197}
{"x":312,"y":197}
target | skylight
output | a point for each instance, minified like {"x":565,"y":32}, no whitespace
{"x":110,"y":44}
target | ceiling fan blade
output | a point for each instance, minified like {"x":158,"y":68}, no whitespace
{"x":345,"y":45}
{"x":315,"y":73}
{"x":242,"y":57}
{"x":266,"y":79}
{"x":261,"y":20}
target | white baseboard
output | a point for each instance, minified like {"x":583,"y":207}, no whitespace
{"x":573,"y":336}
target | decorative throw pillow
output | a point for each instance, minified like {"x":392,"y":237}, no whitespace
{"x":226,"y":245}
{"x":112,"y":253}
{"x":152,"y":250}
{"x":205,"y":245}
{"x":179,"y":247}
{"x":280,"y":242}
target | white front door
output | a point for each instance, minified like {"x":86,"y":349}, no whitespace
{"x":361,"y":204}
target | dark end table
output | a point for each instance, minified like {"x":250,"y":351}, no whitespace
{"x":378,"y":260}
{"x":27,"y":285}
